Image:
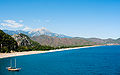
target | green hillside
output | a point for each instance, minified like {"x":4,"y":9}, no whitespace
{"x":7,"y":43}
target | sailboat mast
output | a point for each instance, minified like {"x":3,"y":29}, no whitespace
{"x":11,"y":63}
{"x":15,"y":63}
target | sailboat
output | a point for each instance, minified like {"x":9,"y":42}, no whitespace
{"x":13,"y":68}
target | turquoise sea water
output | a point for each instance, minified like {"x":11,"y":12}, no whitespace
{"x":103,"y":60}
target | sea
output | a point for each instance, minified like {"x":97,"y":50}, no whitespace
{"x":100,"y":60}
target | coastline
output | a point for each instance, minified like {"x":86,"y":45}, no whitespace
{"x":6,"y":55}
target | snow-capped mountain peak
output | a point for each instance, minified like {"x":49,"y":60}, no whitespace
{"x":37,"y":32}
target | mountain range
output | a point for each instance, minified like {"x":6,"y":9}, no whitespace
{"x":56,"y":42}
{"x":36,"y":32}
{"x":19,"y":42}
{"x":105,"y":41}
{"x":46,"y":37}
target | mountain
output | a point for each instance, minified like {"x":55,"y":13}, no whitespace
{"x":98,"y":40}
{"x":46,"y":37}
{"x":118,"y":40}
{"x":36,"y":32}
{"x":26,"y":44}
{"x":105,"y":41}
{"x":12,"y":32}
{"x":7,"y":43}
{"x":55,"y":41}
{"x":102,"y":41}
{"x":44,"y":31}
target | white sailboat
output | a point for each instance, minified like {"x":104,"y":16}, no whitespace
{"x":13,"y":68}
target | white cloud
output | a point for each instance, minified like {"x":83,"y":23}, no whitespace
{"x":47,"y":20}
{"x":27,"y":29}
{"x":11,"y":23}
{"x":1,"y":28}
{"x":21,"y":21}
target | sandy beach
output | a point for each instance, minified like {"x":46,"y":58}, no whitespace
{"x":6,"y":55}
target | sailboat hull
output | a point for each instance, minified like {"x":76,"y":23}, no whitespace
{"x":12,"y":69}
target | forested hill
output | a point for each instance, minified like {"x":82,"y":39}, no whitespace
{"x":7,"y":43}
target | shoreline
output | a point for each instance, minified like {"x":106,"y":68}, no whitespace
{"x":7,"y":55}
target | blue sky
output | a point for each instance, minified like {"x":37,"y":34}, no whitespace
{"x":77,"y":18}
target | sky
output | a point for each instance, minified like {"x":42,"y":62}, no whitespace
{"x":76,"y":18}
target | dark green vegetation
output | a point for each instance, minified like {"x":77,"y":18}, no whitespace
{"x":7,"y":43}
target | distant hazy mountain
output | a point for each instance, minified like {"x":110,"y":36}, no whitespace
{"x":118,"y":40}
{"x":98,"y":40}
{"x":105,"y":41}
{"x":36,"y":32}
{"x":102,"y":41}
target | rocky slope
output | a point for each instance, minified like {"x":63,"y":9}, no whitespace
{"x":22,"y":39}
